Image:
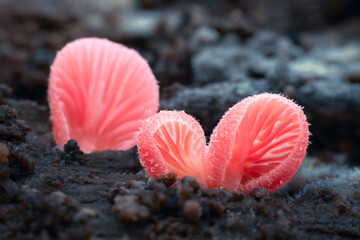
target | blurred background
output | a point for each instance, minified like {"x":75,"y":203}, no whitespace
{"x":206,"y":55}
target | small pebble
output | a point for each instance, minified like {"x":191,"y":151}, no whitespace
{"x":192,"y":210}
{"x":127,"y":209}
{"x":167,"y":179}
{"x":259,"y":193}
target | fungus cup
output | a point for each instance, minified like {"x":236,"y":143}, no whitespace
{"x":99,"y":94}
{"x":259,"y":143}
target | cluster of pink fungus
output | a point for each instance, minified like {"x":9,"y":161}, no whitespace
{"x":259,"y":143}
{"x":104,"y":95}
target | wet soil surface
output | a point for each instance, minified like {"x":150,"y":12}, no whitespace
{"x":207,"y":55}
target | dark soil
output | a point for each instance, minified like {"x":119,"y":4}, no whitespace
{"x":207,"y":55}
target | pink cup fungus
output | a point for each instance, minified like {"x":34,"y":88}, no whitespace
{"x":259,"y":143}
{"x":173,"y":141}
{"x":99,"y":94}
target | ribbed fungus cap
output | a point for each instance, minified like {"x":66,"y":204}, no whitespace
{"x":99,"y":94}
{"x":172,"y":141}
{"x":259,"y":143}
